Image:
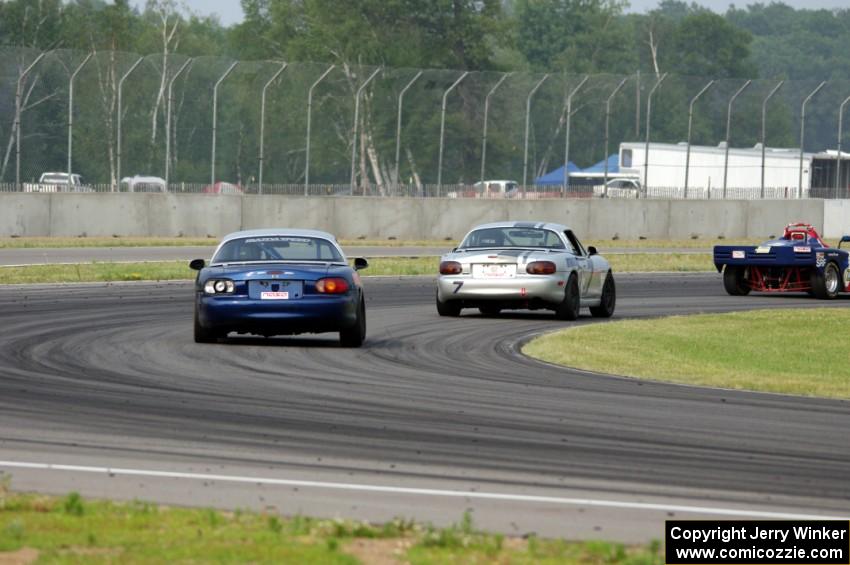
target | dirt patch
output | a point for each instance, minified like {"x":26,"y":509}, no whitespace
{"x":91,"y":551}
{"x":23,"y":556}
{"x":380,"y":551}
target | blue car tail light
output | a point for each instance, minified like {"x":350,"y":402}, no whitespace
{"x":332,"y":285}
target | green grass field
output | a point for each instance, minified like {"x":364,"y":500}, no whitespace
{"x":54,"y":242}
{"x":379,"y":266}
{"x":43,"y":529}
{"x":767,"y":350}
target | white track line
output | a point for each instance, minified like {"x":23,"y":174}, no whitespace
{"x":423,"y":491}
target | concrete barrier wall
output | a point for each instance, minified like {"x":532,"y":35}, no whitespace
{"x":199,"y":215}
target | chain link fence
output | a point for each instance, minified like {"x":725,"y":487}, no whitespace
{"x":114,"y":121}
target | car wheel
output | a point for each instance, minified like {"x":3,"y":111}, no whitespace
{"x":202,"y":334}
{"x":568,"y":309}
{"x":608,"y":300}
{"x":489,"y":310}
{"x":356,"y":334}
{"x":826,"y":284}
{"x":450,"y":308}
{"x":734,"y":281}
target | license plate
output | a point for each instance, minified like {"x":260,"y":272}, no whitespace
{"x":269,"y":295}
{"x":738,"y":254}
{"x":275,"y":290}
{"x":494,"y":271}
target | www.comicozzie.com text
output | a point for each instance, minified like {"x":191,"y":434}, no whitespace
{"x":726,"y":535}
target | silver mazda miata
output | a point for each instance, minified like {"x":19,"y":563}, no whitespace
{"x":525,"y":265}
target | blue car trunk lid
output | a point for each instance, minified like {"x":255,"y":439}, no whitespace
{"x":285,"y":281}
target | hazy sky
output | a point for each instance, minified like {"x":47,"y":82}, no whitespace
{"x":722,"y":5}
{"x":230,"y":11}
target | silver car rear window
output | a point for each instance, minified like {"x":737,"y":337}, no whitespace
{"x":512,"y":237}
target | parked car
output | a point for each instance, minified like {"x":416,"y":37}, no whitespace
{"x":58,"y":182}
{"x":279,"y":282}
{"x":799,"y":261}
{"x":619,"y":188}
{"x":487,"y":189}
{"x":223,"y":188}
{"x":141,"y":183}
{"x":525,"y":265}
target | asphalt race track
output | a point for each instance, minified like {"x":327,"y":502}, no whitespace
{"x":103,"y":391}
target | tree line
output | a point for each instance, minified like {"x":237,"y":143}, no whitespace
{"x":566,"y":39}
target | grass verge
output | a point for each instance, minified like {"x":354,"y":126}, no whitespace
{"x":660,"y":262}
{"x":54,"y":242}
{"x":71,"y":529}
{"x":96,"y":272}
{"x":379,"y":266}
{"x":743,"y":350}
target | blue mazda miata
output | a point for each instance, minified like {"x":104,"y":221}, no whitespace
{"x":279,"y":282}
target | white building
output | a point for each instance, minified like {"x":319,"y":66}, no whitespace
{"x":706,"y":171}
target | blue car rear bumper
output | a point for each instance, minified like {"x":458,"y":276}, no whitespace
{"x":310,"y":314}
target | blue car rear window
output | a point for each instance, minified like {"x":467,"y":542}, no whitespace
{"x":277,"y":248}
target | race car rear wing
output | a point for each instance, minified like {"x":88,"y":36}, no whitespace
{"x":778,"y":256}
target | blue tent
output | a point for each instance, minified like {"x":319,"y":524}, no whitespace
{"x":557,"y":176}
{"x":599,"y":168}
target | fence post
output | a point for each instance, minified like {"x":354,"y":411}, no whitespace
{"x":637,"y":103}
{"x":354,"y":135}
{"x":802,"y":137}
{"x":443,"y":132}
{"x":168,"y":121}
{"x":527,"y":124}
{"x":567,"y":133}
{"x":486,"y":114}
{"x":764,"y":130}
{"x":398,"y":126}
{"x":607,"y":120}
{"x":309,"y":123}
{"x":840,"y":135}
{"x":263,"y":125}
{"x":18,"y":111}
{"x":215,"y":117}
{"x":690,"y":127}
{"x":71,"y":113}
{"x":118,"y":121}
{"x":648,"y":127}
{"x":728,"y":133}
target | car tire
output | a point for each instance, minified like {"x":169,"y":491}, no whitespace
{"x":356,"y":334}
{"x":490,"y":310}
{"x":569,"y":308}
{"x":202,"y":334}
{"x":826,"y":284}
{"x":734,"y":281}
{"x":608,"y":300}
{"x":450,"y":308}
